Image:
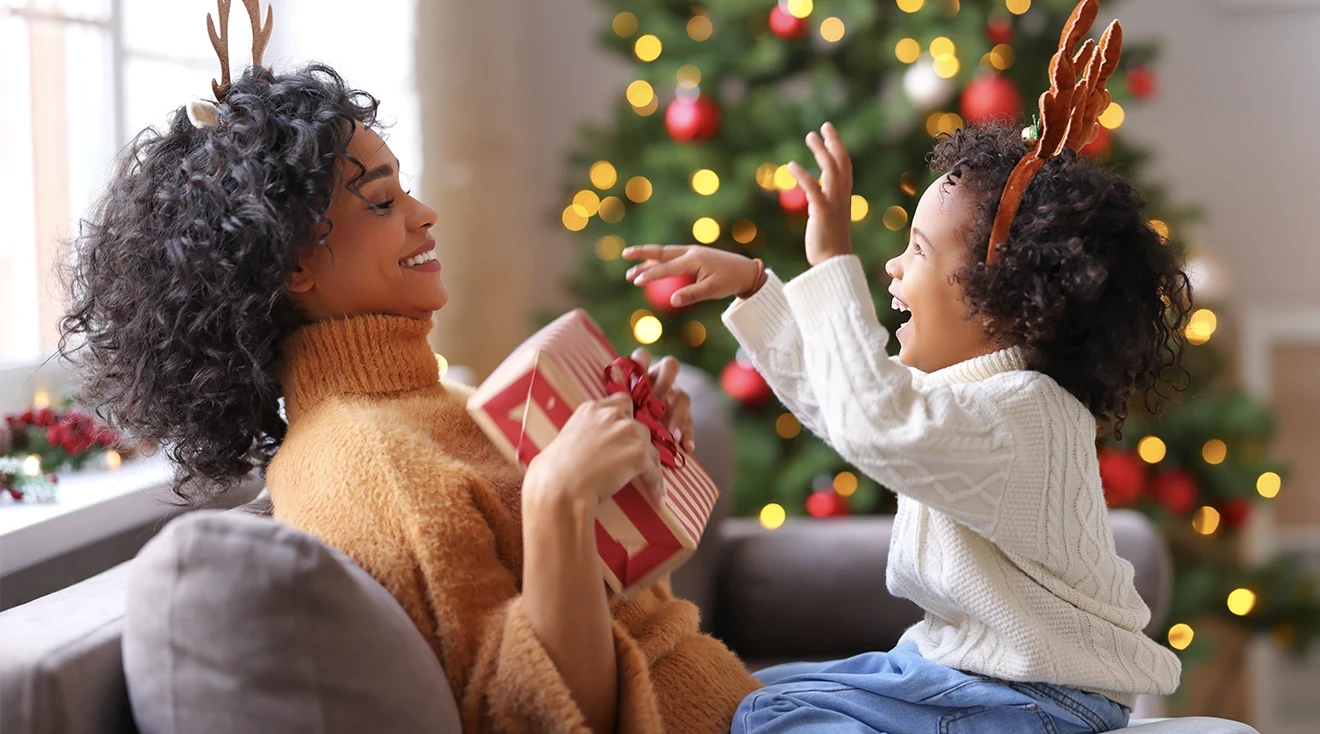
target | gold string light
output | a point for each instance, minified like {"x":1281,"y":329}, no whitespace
{"x":845,"y":483}
{"x":706,"y":230}
{"x":1151,"y":449}
{"x":1113,"y":116}
{"x":609,"y":247}
{"x":638,"y":189}
{"x":860,"y":207}
{"x":744,"y":231}
{"x":648,"y":330}
{"x":1241,"y":601}
{"x":648,"y":48}
{"x":699,"y":27}
{"x":1180,"y":636}
{"x":1214,"y":452}
{"x":787,"y":426}
{"x":895,"y":217}
{"x":773,"y":516}
{"x":832,"y":30}
{"x":1269,"y":484}
{"x":705,"y":182}
{"x":908,"y":50}
{"x":1206,"y":520}
{"x":624,"y":25}
{"x":694,"y":334}
{"x":603,"y":175}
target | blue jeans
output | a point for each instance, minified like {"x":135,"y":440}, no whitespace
{"x":900,"y":692}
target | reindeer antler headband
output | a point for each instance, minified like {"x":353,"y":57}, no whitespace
{"x":1069,"y":111}
{"x":205,"y":114}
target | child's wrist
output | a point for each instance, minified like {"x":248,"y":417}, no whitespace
{"x":757,"y":282}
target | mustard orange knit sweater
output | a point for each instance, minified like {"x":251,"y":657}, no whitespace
{"x":382,"y":461}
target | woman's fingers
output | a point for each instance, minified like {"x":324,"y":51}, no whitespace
{"x":642,"y":356}
{"x":680,"y":421}
{"x":662,"y":377}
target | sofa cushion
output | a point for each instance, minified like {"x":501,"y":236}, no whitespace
{"x":237,"y":623}
{"x":60,"y":670}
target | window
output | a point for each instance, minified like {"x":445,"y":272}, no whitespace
{"x":80,"y":78}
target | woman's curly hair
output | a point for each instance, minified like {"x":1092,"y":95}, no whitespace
{"x":178,"y":280}
{"x":1094,"y":294}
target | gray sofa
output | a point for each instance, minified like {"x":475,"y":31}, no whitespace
{"x":232,"y":622}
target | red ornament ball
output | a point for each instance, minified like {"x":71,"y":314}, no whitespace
{"x":1235,"y":512}
{"x":827,"y":504}
{"x":1175,"y":490}
{"x":745,"y":384}
{"x":999,"y":30}
{"x":1100,"y":146}
{"x":659,"y":292}
{"x":1140,"y":82}
{"x":991,"y":97}
{"x":794,"y":200}
{"x":1123,"y":476}
{"x":690,"y":119}
{"x":785,"y":25}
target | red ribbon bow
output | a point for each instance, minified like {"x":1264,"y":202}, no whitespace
{"x":627,"y":376}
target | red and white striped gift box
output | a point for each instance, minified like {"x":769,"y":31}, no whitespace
{"x":531,"y":396}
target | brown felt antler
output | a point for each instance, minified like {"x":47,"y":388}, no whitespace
{"x":220,"y":41}
{"x":1069,"y":110}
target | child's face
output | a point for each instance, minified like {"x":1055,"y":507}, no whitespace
{"x":379,"y":256}
{"x":938,"y":333}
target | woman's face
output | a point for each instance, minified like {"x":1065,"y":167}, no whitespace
{"x":939,"y":331}
{"x":379,"y":257}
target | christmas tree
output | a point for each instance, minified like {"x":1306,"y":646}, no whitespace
{"x":723,"y":92}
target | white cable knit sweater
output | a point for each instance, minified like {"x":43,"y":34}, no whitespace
{"x":1002,"y":535}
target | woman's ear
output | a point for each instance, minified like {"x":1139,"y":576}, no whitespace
{"x":300,"y":280}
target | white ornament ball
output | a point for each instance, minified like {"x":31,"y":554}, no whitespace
{"x":925,"y":89}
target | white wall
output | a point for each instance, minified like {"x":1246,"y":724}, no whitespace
{"x":1233,"y":130}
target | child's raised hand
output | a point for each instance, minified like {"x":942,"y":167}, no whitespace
{"x":829,"y":200}
{"x":719,"y":274}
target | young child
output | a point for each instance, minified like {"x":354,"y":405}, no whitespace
{"x":984,"y":425}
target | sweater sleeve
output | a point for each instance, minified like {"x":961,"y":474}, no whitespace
{"x":764,"y":326}
{"x":948,"y":450}
{"x":502,"y":676}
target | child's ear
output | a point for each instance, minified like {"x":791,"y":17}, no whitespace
{"x":300,"y":280}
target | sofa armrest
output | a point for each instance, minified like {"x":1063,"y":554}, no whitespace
{"x":815,"y":589}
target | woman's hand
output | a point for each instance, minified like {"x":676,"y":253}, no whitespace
{"x":599,"y":450}
{"x":719,"y":274}
{"x":829,"y":200}
{"x":678,"y":419}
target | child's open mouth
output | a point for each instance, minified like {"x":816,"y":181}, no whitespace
{"x":901,"y":306}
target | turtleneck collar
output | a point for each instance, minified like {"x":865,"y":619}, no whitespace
{"x":359,"y":355}
{"x":978,"y":368}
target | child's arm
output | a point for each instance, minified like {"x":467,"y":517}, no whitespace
{"x":951,"y":451}
{"x":761,"y":321}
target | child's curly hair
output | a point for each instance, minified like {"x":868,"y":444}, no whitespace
{"x":1094,"y":294}
{"x":178,"y":295}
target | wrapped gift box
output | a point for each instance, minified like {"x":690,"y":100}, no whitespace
{"x":531,"y":396}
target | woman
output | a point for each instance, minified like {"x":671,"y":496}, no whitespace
{"x":266,"y":252}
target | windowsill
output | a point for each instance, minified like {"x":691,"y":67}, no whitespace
{"x":91,"y":505}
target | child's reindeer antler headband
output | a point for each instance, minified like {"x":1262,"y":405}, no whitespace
{"x":1068,"y":111}
{"x":205,"y":114}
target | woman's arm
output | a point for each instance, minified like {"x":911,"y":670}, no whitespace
{"x":600,"y":449}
